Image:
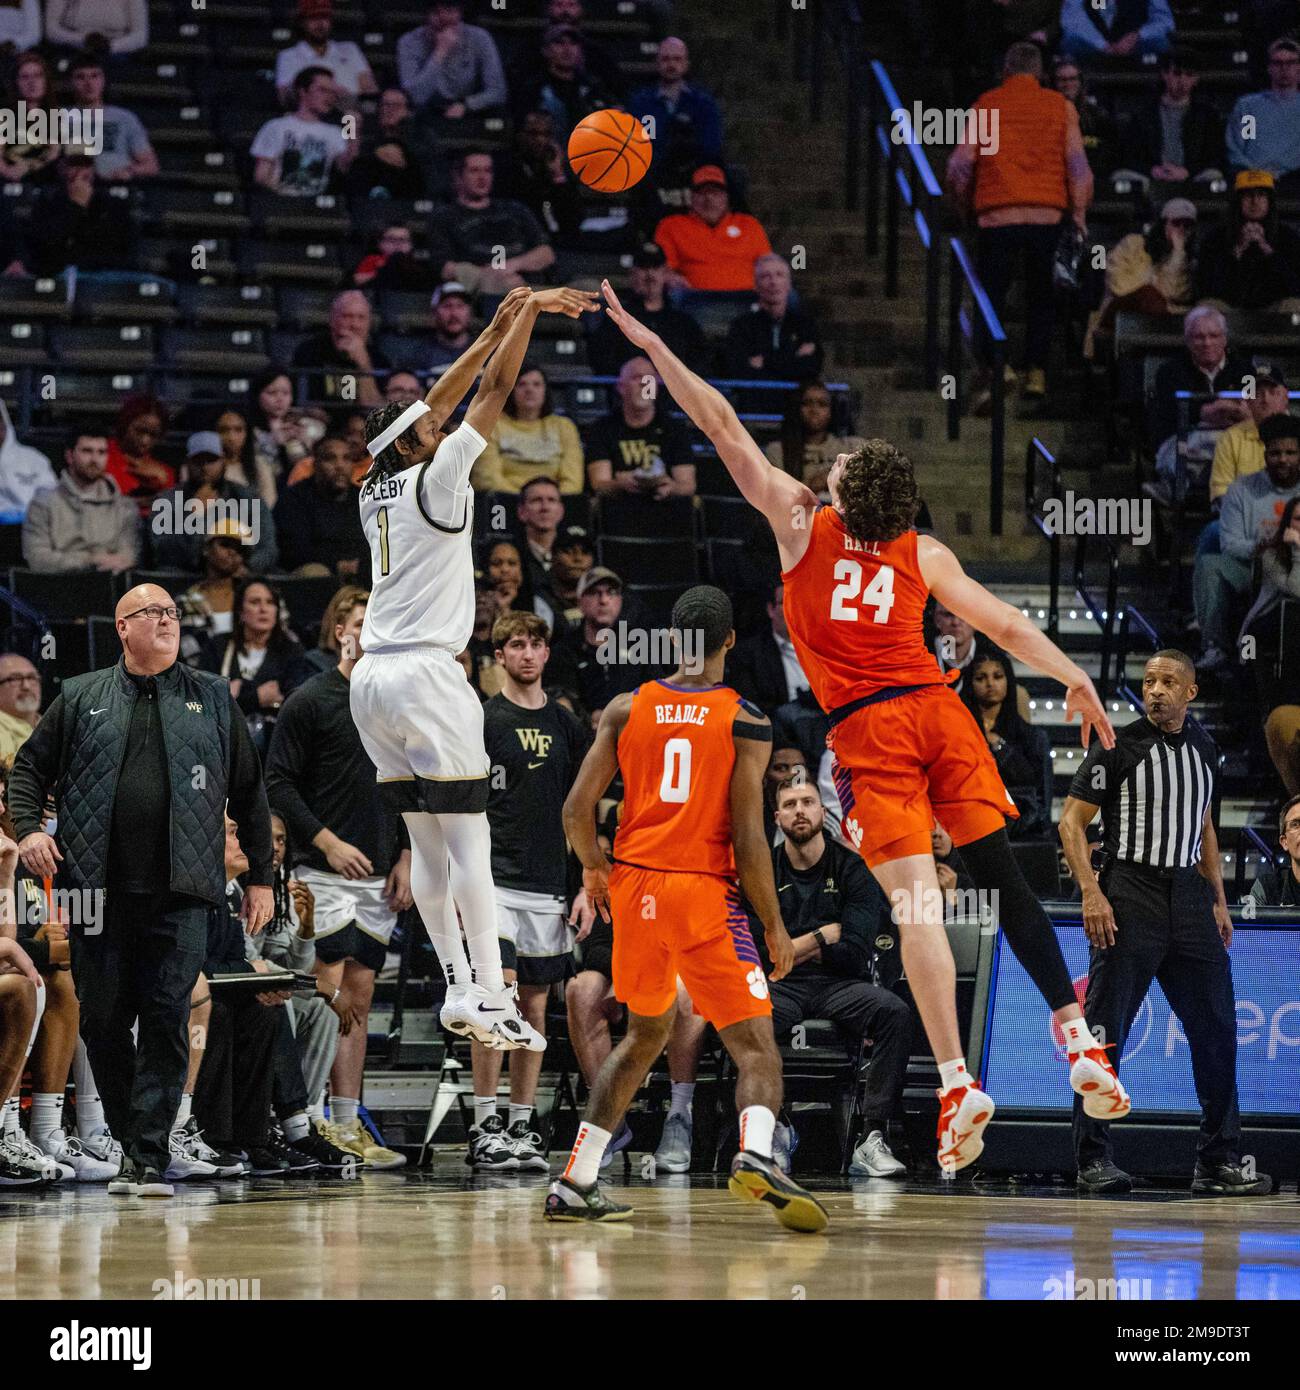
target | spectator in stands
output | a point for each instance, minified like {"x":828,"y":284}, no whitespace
{"x":1240,"y":451}
{"x":20,"y":702}
{"x":261,"y":655}
{"x":530,"y":442}
{"x":597,"y":59}
{"x":1280,"y":887}
{"x":402,"y":388}
{"x":990,"y":28}
{"x":298,"y":155}
{"x":572,"y":555}
{"x":687,"y":121}
{"x":1096,"y":127}
{"x":949,"y":869}
{"x":344,"y":62}
{"x":1021,"y":195}
{"x":503,"y":562}
{"x":538,"y":176}
{"x":771,"y":339}
{"x":1022,"y":752}
{"x":1177,"y":136}
{"x":98,"y":26}
{"x":638,"y":448}
{"x":1115,"y":31}
{"x":398,"y":158}
{"x":453,"y":313}
{"x":324,"y":656}
{"x":317,"y":521}
{"x":20,"y":26}
{"x":711,"y":247}
{"x":481,"y":668}
{"x":342,"y":357}
{"x":177,"y":544}
{"x":490,"y":245}
{"x":593,"y":657}
{"x":1248,"y":519}
{"x":392,"y":266}
{"x":244,"y":465}
{"x":207,"y":608}
{"x":807,"y":449}
{"x":448,"y":68}
{"x":788,"y":762}
{"x":1206,"y":366}
{"x":957,"y":646}
{"x":1261,"y":22}
{"x":126,"y":153}
{"x":140,"y":424}
{"x":765,"y":668}
{"x":83,"y":522}
{"x":26,"y":159}
{"x":1280,"y":583}
{"x":563,"y":85}
{"x":608,"y":349}
{"x":1264,"y":127}
{"x":76,"y":223}
{"x":24,"y":471}
{"x":1252,"y":259}
{"x":838,"y":917}
{"x":540,"y":513}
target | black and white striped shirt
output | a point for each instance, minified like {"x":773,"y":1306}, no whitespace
{"x":1154,"y":789}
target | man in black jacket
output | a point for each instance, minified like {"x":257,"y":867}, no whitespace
{"x":1280,"y":887}
{"x":78,"y":224}
{"x":142,"y":758}
{"x":771,"y":339}
{"x":765,"y":668}
{"x":1177,"y":136}
{"x":846,"y":958}
{"x":608,"y":349}
{"x":317,"y":520}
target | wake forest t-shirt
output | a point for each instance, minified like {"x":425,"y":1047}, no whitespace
{"x":535,"y":755}
{"x":639,"y":446}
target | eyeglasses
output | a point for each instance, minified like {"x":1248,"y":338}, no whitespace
{"x":1292,"y":824}
{"x":156,"y":614}
{"x":26,"y":680}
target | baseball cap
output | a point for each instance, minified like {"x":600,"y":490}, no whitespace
{"x":1284,"y":46}
{"x":648,"y":255}
{"x":447,"y":289}
{"x":573,"y":536}
{"x":1253,"y":178}
{"x":708,"y":174}
{"x":1177,"y":208}
{"x":231,"y":531}
{"x":203,"y":442}
{"x":1269,"y":372}
{"x":598,"y":574}
{"x":315,"y":9}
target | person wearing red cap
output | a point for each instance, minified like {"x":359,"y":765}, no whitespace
{"x":316,"y":49}
{"x":711,"y":247}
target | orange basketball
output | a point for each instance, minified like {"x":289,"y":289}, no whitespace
{"x":609,"y":151}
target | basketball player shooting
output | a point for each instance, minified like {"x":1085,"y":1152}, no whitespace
{"x":420,"y":722}
{"x":906,"y":750}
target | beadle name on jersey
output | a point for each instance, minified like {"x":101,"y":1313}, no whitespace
{"x":391,"y":485}
{"x":680,"y":714}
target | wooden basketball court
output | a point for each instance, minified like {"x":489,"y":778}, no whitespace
{"x":444,"y":1234}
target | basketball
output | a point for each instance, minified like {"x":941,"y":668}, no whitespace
{"x":609,"y":151}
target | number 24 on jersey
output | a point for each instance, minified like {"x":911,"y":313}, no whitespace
{"x":849,"y":596}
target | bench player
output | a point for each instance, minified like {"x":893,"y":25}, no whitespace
{"x":906,"y":751}
{"x":692,"y":754}
{"x":419,"y":720}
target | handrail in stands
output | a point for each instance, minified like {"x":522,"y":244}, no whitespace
{"x":1034,"y":451}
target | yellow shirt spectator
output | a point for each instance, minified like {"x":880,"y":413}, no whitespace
{"x":1238,"y":452}
{"x":530,"y":441}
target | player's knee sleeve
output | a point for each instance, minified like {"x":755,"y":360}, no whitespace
{"x":1026,"y":926}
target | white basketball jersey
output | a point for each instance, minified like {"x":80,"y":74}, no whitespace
{"x":419,"y":525}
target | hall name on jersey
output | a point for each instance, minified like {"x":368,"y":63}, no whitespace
{"x":382,"y":488}
{"x":680,"y":714}
{"x":866,"y":547}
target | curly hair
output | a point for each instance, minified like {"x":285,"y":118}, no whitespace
{"x":878,"y":496}
{"x":390,"y":460}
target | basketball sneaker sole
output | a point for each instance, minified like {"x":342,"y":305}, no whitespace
{"x":1104,"y":1098}
{"x":795,"y":1210}
{"x":968,"y":1125}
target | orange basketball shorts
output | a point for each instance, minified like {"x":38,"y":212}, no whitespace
{"x":689,"y":925}
{"x":903,"y":764}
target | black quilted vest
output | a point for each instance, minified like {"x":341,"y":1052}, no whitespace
{"x":194,"y":708}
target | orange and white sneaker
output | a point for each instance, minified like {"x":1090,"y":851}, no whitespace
{"x":1093,"y":1078}
{"x":964,"y":1113}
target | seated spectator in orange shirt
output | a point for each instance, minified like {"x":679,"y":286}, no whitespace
{"x":131,"y":464}
{"x":711,"y":247}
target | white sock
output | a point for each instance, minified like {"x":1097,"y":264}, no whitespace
{"x":343,"y":1110}
{"x":431,"y":889}
{"x":296,"y":1127}
{"x":183,"y":1110}
{"x":484,"y":1108}
{"x":683,"y":1095}
{"x":757,"y":1124}
{"x":317,"y":1108}
{"x":520,"y":1112}
{"x":469,"y":845}
{"x":1078,"y":1036}
{"x":953,"y":1075}
{"x":583,"y":1167}
{"x":11,"y":1115}
{"x":90,"y":1109}
{"x":46,"y":1117}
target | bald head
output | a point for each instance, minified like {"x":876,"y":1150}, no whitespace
{"x":673,"y":60}
{"x":149,"y":643}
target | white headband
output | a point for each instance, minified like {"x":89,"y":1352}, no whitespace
{"x":408,"y":417}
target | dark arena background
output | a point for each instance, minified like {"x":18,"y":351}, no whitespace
{"x":1048,"y":249}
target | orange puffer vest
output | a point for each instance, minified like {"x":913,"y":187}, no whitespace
{"x":1029,"y":166}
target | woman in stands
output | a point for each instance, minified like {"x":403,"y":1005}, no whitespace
{"x":807,"y":447}
{"x":132,"y":464}
{"x":530,"y":441}
{"x":24,"y":160}
{"x":1280,"y":563}
{"x":244,"y":464}
{"x":280,"y":435}
{"x":1023,"y":754}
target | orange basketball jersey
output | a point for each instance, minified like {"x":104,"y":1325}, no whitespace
{"x":854,"y":609}
{"x":677,"y":755}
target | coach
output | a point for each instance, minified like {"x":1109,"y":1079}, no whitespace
{"x":142,"y":758}
{"x":1157,"y":911}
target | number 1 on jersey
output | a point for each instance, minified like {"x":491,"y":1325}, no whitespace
{"x":879,"y":594}
{"x":382,"y":517}
{"x":675,"y":785}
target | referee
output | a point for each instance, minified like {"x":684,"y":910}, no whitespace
{"x":1157,"y":911}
